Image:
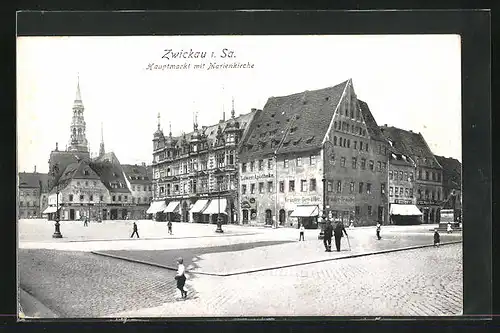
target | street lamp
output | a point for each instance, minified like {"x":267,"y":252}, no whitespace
{"x":57,"y":232}
{"x":324,"y":216}
{"x":219,"y":219}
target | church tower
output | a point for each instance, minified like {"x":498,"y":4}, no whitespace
{"x":78,"y":141}
{"x":101,"y":148}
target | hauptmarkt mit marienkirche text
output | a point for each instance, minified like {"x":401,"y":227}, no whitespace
{"x":198,"y":60}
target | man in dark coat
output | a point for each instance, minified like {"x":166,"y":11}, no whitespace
{"x":327,"y":239}
{"x":135,"y":231}
{"x":339,"y":229}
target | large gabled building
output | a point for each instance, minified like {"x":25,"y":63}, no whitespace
{"x":428,"y":189}
{"x":311,"y":154}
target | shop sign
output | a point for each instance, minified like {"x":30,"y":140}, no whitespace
{"x":304,"y":200}
{"x":402,"y":201}
{"x":342,"y":199}
{"x":250,"y":177}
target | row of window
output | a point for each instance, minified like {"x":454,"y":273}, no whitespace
{"x":28,"y":203}
{"x":346,"y":143}
{"x":401,"y":192}
{"x":141,"y":188}
{"x":28,"y":193}
{"x":202,"y":186}
{"x":114,"y":198}
{"x":434,"y":176}
{"x":401,"y":175}
{"x":310,"y":186}
{"x":381,"y":166}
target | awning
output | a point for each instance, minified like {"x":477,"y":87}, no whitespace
{"x":51,"y":209}
{"x":305,"y":211}
{"x":199,"y":205}
{"x":214,"y":208}
{"x":172,"y":206}
{"x":156,"y":206}
{"x":406,"y":210}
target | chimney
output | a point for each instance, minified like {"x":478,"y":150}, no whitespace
{"x":385,"y":125}
{"x":143,"y":164}
{"x":254,"y":109}
{"x":411,"y":131}
{"x":57,"y":146}
{"x":35,"y":168}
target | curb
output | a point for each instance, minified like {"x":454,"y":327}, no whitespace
{"x":36,"y":309}
{"x":275,"y":267}
{"x":165,"y":238}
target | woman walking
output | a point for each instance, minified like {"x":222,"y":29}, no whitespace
{"x":181,"y":277}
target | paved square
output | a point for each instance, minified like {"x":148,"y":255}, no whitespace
{"x":66,"y":277}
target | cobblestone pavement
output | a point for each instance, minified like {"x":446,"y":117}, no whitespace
{"x":421,"y":282}
{"x":79,"y":284}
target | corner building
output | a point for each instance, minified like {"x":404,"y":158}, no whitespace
{"x":428,"y":187}
{"x":313,"y":154}
{"x":195,"y":175}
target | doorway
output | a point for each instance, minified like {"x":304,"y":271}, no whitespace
{"x":282,"y":217}
{"x":269,"y":218}
{"x":245,"y":216}
{"x":72,"y":214}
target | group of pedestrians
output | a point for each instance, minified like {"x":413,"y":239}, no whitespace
{"x":135,"y":231}
{"x":338,"y":231}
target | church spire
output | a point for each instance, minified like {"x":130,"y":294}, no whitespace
{"x":101,"y":147}
{"x":158,"y":121}
{"x":78,"y":140}
{"x":170,"y":128}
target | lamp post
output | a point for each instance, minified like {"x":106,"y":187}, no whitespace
{"x":219,"y":219}
{"x":324,"y":215}
{"x":57,"y":232}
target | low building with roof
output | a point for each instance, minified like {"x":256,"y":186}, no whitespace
{"x":452,"y":184}
{"x":195,"y":175}
{"x":139,"y":181}
{"x":312,"y":154}
{"x":428,"y":189}
{"x":32,"y":188}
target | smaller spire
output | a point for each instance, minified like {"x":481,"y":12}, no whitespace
{"x":170,"y":128}
{"x":158,"y":121}
{"x":78,"y":96}
{"x":232,"y":110}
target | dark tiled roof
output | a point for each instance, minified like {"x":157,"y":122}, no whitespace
{"x":371,"y":124}
{"x":134,"y":171}
{"x":299,"y":121}
{"x":65,"y":158}
{"x":452,"y":171}
{"x":110,"y":173}
{"x":33,"y":180}
{"x":411,"y":144}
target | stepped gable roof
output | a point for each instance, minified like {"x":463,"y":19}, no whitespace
{"x":371,"y":124}
{"x":452,"y":171}
{"x":136,"y":174}
{"x":411,"y":144}
{"x":33,"y":180}
{"x":111,"y":175}
{"x":300,"y":121}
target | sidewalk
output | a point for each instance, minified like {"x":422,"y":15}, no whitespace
{"x":224,"y":262}
{"x":32,"y":308}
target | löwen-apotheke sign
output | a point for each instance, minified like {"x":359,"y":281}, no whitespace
{"x":250,"y":177}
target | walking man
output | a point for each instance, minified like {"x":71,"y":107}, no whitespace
{"x":180,"y":277}
{"x":327,"y":239}
{"x":135,"y":231}
{"x":378,"y":230}
{"x":339,"y":229}
{"x":301,"y":234}
{"x":449,"y":230}
{"x":169,"y":225}
{"x":85,"y":222}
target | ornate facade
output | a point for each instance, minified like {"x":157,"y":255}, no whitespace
{"x":195,"y":175}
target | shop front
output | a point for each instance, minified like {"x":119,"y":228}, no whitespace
{"x":215,"y":208}
{"x":172,"y":211}
{"x":196,"y":211}
{"x":307,"y":215}
{"x":405,"y":214}
{"x":156,"y":209}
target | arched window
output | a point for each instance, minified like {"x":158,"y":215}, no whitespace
{"x":335,"y":140}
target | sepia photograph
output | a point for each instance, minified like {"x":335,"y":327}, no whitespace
{"x":239,"y":176}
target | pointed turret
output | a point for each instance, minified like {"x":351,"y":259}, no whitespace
{"x":101,"y":147}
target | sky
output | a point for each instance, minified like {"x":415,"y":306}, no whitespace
{"x":409,"y":81}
